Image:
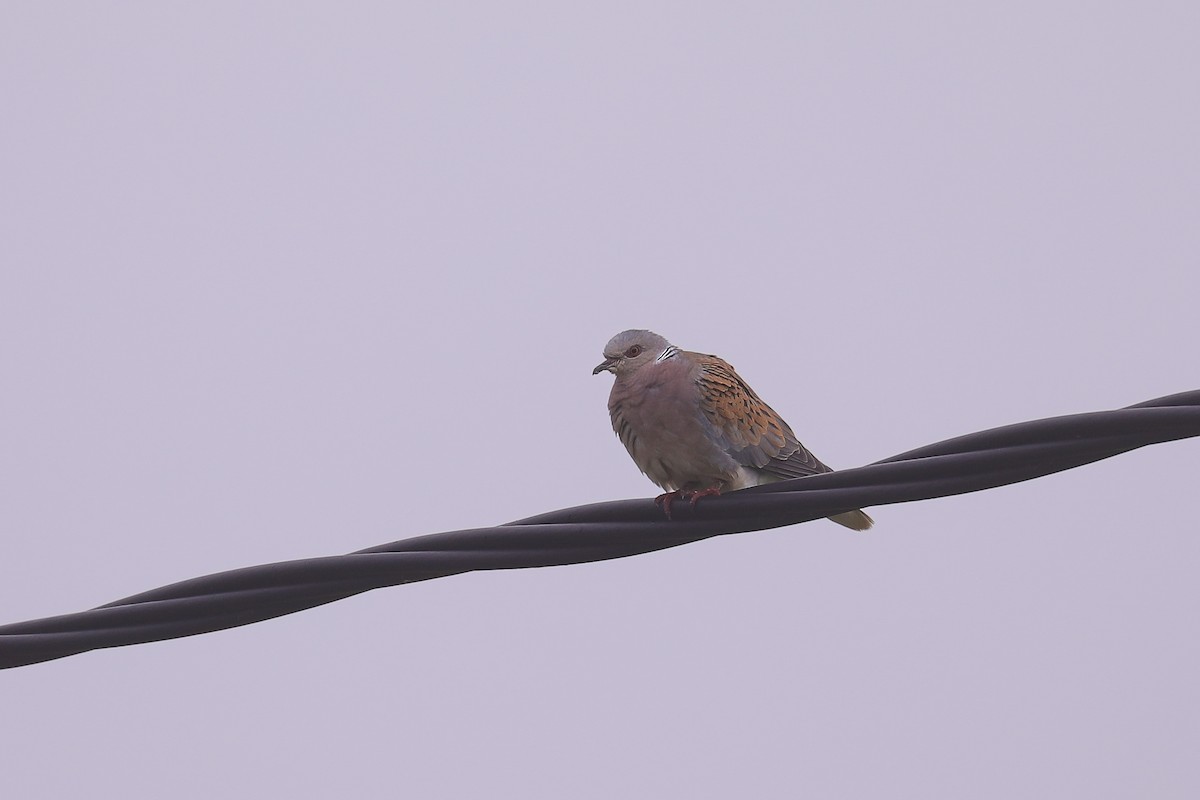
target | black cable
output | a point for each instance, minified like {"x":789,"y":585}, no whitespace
{"x":604,"y":530}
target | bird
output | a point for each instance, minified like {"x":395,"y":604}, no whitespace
{"x":695,"y":428}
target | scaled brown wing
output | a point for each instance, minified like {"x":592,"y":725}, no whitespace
{"x":750,"y":429}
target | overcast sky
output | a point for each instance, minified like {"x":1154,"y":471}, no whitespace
{"x":282,"y":280}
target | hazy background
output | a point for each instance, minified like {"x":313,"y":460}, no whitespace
{"x":290,"y":279}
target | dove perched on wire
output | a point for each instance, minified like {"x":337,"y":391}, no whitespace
{"x":695,"y":428}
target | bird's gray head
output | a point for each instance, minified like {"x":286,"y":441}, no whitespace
{"x":629,"y":351}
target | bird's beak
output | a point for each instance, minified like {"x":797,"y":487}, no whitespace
{"x":608,"y":365}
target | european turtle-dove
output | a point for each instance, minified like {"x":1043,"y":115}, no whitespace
{"x":695,"y":428}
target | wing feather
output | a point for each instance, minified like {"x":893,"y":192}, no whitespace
{"x":752,"y":433}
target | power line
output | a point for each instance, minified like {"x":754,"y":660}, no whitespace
{"x":603,"y":531}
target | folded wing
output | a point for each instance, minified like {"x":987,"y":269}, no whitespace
{"x":750,"y":430}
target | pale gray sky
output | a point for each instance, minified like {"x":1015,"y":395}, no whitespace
{"x":291,"y":279}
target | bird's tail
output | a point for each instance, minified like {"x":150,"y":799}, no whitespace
{"x":854,"y":520}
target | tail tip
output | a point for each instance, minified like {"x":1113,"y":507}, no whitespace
{"x":854,"y":520}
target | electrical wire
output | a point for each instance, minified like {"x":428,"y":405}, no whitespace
{"x":603,"y":531}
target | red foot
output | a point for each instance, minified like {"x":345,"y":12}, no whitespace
{"x":665,"y":500}
{"x":711,"y":491}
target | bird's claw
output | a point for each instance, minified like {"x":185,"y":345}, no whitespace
{"x":711,"y":491}
{"x":665,"y":500}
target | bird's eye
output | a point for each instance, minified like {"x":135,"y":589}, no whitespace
{"x":634,"y":351}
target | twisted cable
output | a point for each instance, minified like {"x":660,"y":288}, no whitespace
{"x":601,"y":531}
